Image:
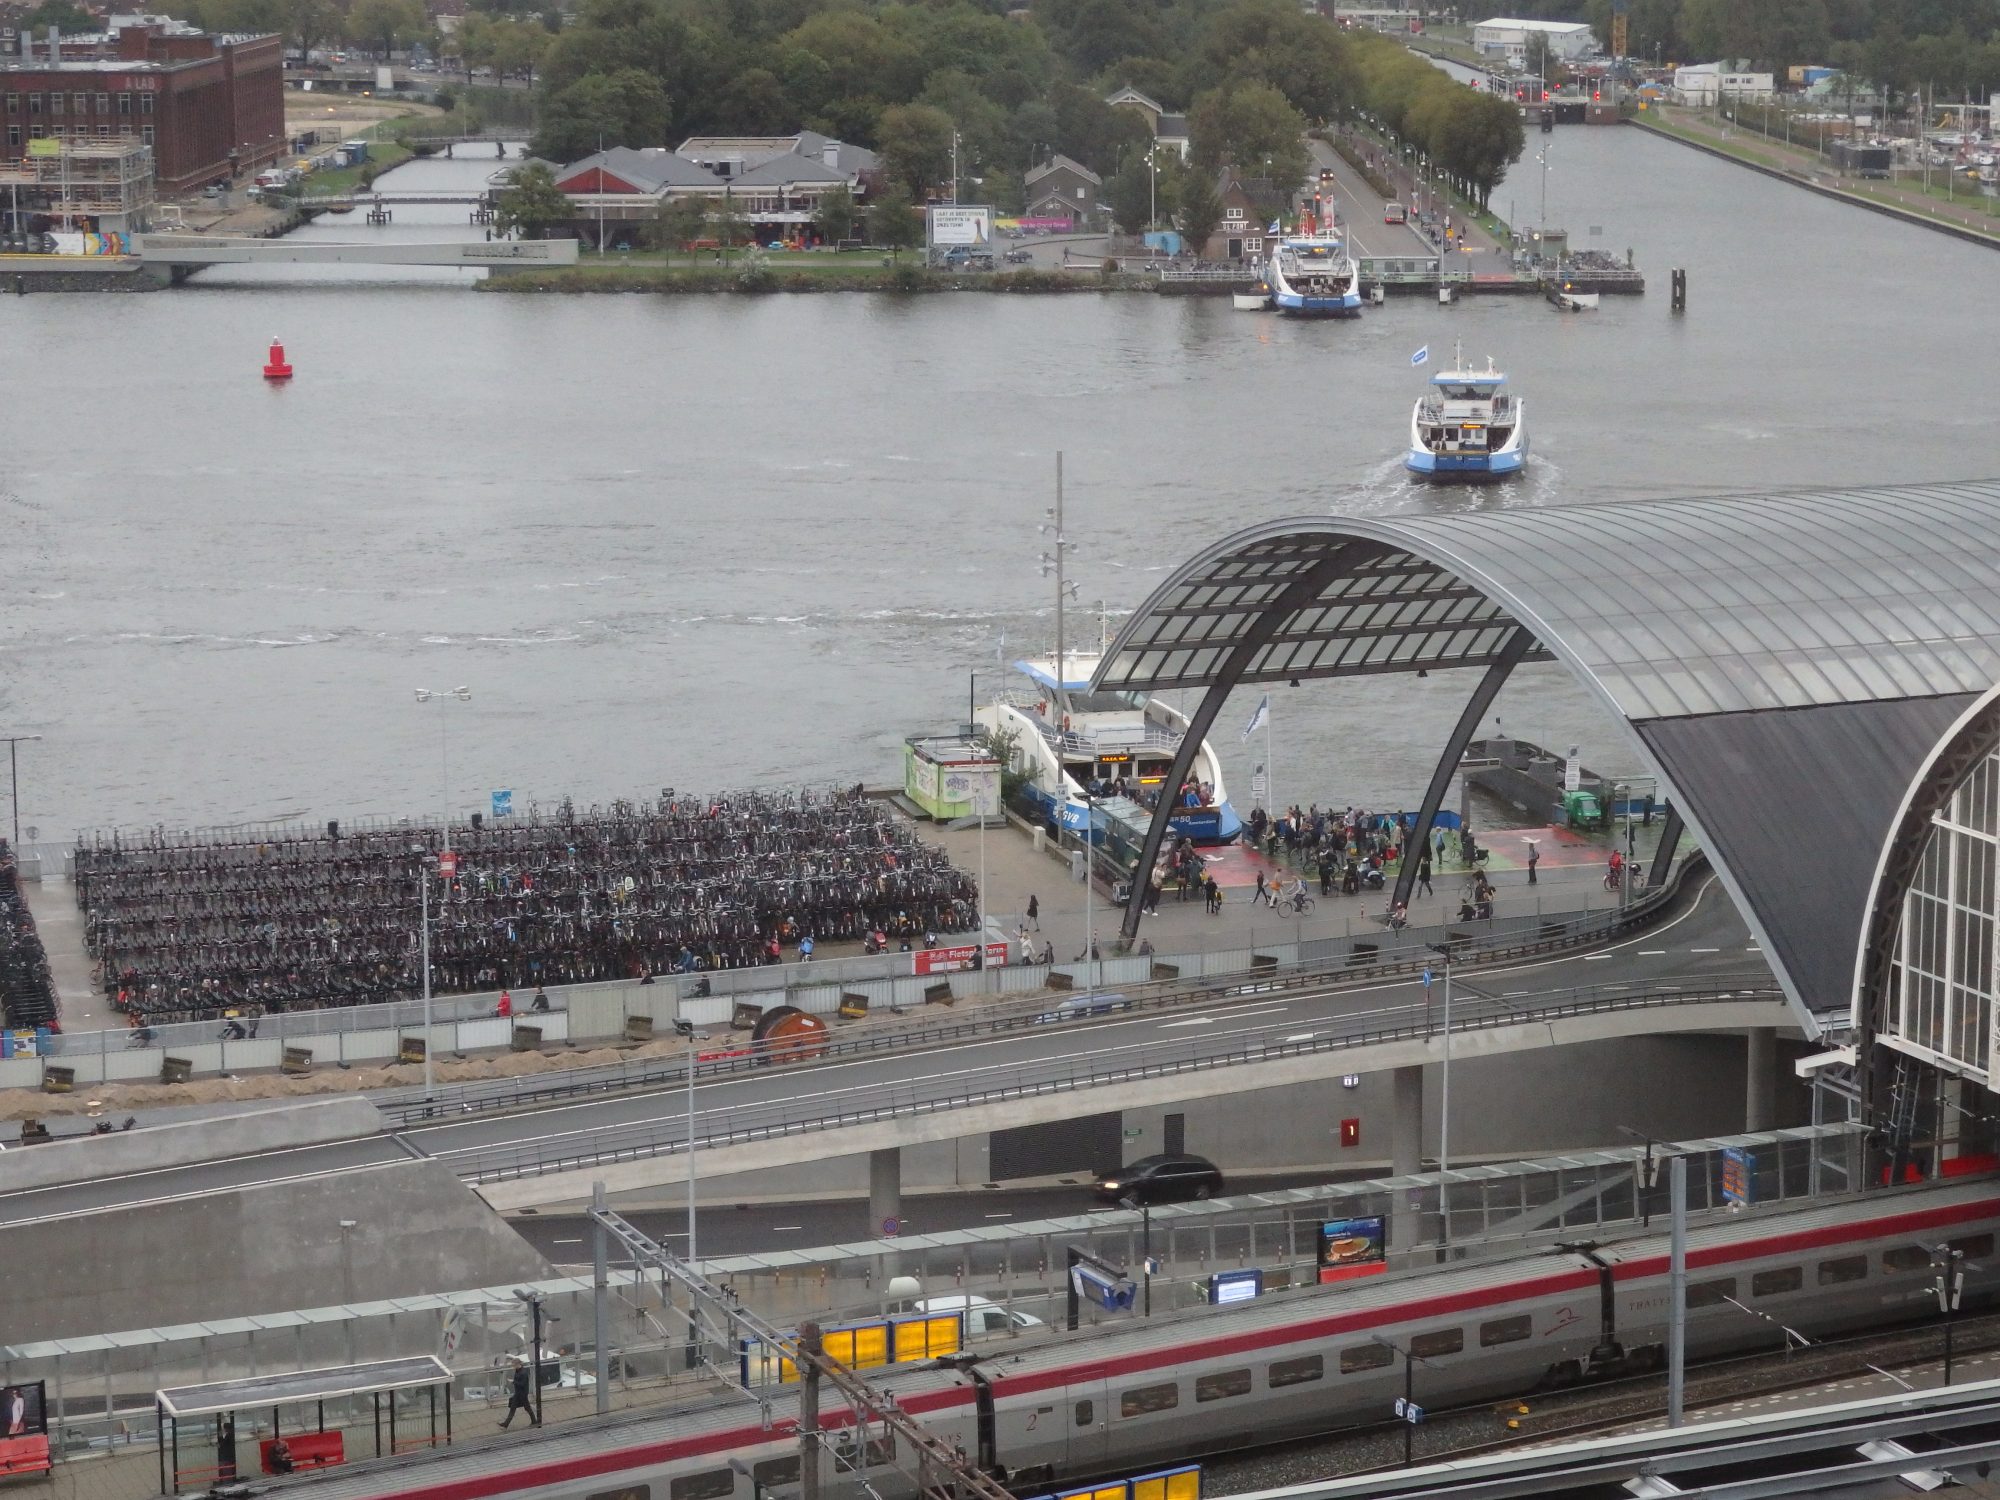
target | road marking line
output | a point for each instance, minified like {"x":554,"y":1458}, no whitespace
{"x":1704,"y":950}
{"x":785,"y":1228}
{"x":1303,"y":1036}
{"x":1195,"y":1021}
{"x":1005,"y":1213}
{"x":1591,"y":958}
{"x":1651,"y":953}
{"x":566,"y":1242}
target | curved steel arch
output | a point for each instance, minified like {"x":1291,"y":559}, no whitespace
{"x":1873,"y":611}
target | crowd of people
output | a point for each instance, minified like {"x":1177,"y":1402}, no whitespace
{"x":27,"y":992}
{"x":187,"y":927}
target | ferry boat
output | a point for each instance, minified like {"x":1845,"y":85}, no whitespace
{"x":1313,"y":276}
{"x":1067,"y":739}
{"x":1465,"y":427}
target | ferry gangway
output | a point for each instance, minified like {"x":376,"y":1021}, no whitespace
{"x":1365,"y":960}
{"x":898,"y":1099}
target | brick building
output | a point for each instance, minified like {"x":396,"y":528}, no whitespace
{"x":209,"y":106}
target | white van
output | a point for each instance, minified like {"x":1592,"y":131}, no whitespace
{"x":983,"y":1318}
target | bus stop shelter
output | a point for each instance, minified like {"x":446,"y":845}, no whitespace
{"x":199,"y":1445}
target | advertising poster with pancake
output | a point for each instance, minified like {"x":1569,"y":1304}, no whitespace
{"x":1352,"y":1247}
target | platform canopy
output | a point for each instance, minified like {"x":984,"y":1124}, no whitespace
{"x":256,"y":1391}
{"x":1785,"y":662}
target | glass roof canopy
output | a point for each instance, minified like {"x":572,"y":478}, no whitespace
{"x":1754,"y":645}
{"x":1666,"y":608}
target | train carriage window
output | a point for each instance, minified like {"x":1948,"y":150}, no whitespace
{"x":1086,"y":1413}
{"x":1974,"y":1246}
{"x":1437,"y":1341}
{"x":1365,"y":1357}
{"x":1307,"y":1367}
{"x":775,"y":1471}
{"x":1906,"y":1258}
{"x":1142,"y":1399}
{"x":1843,"y":1268}
{"x":715,"y":1484}
{"x":1222,"y":1385}
{"x":1711,"y":1293}
{"x":1775,"y":1283}
{"x":628,"y":1492}
{"x":1506,"y":1331}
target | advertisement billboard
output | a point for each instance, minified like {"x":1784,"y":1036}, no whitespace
{"x":1352,"y":1247}
{"x":961,"y":224}
{"x":951,"y":960}
{"x":23,"y":1410}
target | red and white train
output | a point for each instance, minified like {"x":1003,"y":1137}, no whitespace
{"x":1047,"y":1410}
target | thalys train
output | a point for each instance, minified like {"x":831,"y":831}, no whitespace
{"x":1045,"y":1411}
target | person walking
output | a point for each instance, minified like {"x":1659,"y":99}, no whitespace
{"x":506,"y":1005}
{"x":1211,"y":895}
{"x":517,"y":1397}
{"x":1034,"y":912}
{"x":1424,"y":875}
{"x":1263,"y":892}
{"x":1534,"y":858}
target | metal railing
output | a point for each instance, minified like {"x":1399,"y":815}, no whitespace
{"x":1001,"y":1082}
{"x":1347,"y":960}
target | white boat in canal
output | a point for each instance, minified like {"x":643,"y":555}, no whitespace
{"x":1253,"y":301}
{"x":1068,"y":740}
{"x":1570,"y":301}
{"x":1313,"y":276}
{"x":1467,"y":427}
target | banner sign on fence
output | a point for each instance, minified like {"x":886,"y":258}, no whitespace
{"x":952,"y":960}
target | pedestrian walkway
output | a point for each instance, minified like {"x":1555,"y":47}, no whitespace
{"x":1569,"y":878}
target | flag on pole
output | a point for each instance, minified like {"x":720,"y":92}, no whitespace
{"x":1259,"y":719}
{"x":1276,"y":228}
{"x":1422,"y":356}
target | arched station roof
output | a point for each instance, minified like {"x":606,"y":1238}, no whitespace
{"x":1785,"y":662}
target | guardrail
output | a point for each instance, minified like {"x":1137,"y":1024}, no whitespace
{"x":900,"y":1099}
{"x":1371,"y":958}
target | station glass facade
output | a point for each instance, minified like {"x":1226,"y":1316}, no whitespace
{"x":1941,"y":989}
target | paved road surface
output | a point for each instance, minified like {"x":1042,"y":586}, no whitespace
{"x":751,"y":1228}
{"x":1707,"y":942}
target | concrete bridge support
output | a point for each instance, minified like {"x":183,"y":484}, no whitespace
{"x":1760,"y":1078}
{"x":1406,"y":1149}
{"x":885,"y":1187}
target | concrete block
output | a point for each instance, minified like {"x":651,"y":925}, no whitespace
{"x":312,"y":1123}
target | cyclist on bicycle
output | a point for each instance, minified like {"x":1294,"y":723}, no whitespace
{"x":1295,"y":893}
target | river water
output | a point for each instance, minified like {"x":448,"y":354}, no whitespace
{"x":716,"y":541}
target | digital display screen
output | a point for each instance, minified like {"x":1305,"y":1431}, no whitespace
{"x":23,"y":1410}
{"x":1235,"y":1286}
{"x":1352,"y":1242}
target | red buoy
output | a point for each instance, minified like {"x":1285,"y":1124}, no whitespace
{"x":275,"y":368}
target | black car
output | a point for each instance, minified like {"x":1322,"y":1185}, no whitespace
{"x":1167,"y":1178}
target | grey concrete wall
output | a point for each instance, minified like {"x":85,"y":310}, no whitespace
{"x":415,"y":1228}
{"x":1503,"y":1107}
{"x":1249,"y":1088}
{"x":283,"y":1125}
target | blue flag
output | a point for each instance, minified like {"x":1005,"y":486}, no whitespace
{"x":1259,"y":719}
{"x":1422,"y":356}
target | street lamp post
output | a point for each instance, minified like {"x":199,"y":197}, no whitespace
{"x":461,"y":694}
{"x":685,"y":1028}
{"x":1443,"y":950}
{"x":14,"y":781}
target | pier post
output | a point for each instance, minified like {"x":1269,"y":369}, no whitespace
{"x":1760,"y":1078}
{"x":1680,"y":290}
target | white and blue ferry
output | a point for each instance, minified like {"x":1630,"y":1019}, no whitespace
{"x":1067,"y":739}
{"x":1313,"y":276}
{"x":1467,"y":426}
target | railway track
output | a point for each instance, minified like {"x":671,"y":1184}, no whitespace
{"x":1451,"y":1433}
